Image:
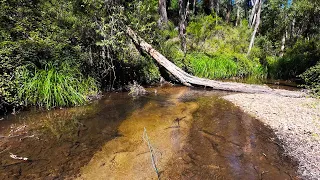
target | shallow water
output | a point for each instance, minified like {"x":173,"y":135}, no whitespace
{"x":195,"y":134}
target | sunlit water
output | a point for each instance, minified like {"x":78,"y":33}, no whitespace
{"x":195,"y":135}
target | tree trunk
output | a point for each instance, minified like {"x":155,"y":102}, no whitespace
{"x":163,"y":20}
{"x":256,"y":27}
{"x":183,"y":12}
{"x":211,"y":5}
{"x":283,"y":43}
{"x":189,"y":80}
{"x":253,"y":13}
{"x":218,"y":7}
{"x":229,"y":9}
{"x":238,"y":12}
{"x":194,"y":6}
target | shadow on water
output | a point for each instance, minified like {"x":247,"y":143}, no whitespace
{"x":59,"y":142}
{"x":198,"y":134}
{"x":226,"y":143}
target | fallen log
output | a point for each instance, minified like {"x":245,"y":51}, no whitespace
{"x":189,"y":80}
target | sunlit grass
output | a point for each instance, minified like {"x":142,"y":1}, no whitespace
{"x":56,"y":87}
{"x":221,"y":66}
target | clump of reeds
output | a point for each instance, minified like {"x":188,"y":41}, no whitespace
{"x":55,"y":86}
{"x":222,"y":66}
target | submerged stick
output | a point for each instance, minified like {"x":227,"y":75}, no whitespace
{"x":153,"y":161}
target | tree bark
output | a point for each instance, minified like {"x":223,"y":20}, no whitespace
{"x":283,"y":43}
{"x":229,"y":9}
{"x":194,"y":6}
{"x":253,"y":12}
{"x":211,"y":5}
{"x":218,"y":7}
{"x":189,"y":80}
{"x":238,"y":12}
{"x":183,"y":12}
{"x":163,"y":20}
{"x":257,"y":23}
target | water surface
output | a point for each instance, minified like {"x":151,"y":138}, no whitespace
{"x":195,"y":134}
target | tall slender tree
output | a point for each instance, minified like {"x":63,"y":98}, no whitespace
{"x":183,"y":13}
{"x":163,"y":20}
{"x":256,"y":24}
{"x":238,"y":11}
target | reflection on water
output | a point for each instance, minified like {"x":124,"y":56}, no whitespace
{"x":59,"y":142}
{"x":195,"y":133}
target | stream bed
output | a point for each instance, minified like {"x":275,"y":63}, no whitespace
{"x":194,"y":134}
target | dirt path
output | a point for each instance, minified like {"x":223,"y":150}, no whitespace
{"x":296,"y":122}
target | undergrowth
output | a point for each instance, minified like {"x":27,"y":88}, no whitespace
{"x":55,"y":86}
{"x":220,"y":66}
{"x":312,"y":80}
{"x":215,"y":50}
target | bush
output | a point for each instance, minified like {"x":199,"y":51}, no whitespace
{"x":312,"y":79}
{"x":9,"y":61}
{"x":55,"y":86}
{"x":303,"y":55}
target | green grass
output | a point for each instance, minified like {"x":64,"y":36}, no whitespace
{"x":223,"y":66}
{"x":216,"y":50}
{"x":55,"y":87}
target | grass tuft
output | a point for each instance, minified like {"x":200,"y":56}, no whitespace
{"x":54,"y":86}
{"x":223,"y":66}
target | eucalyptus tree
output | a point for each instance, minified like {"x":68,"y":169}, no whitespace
{"x":163,"y":20}
{"x":256,"y":13}
{"x":183,"y":14}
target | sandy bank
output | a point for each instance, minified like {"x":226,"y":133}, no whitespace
{"x":296,"y":122}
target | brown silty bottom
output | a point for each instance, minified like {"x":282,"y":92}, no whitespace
{"x":195,"y":134}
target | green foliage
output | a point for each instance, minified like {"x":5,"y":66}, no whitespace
{"x":55,"y":86}
{"x":8,"y":64}
{"x":211,"y":35}
{"x":91,"y":35}
{"x":169,"y":32}
{"x":301,"y":56}
{"x":312,"y":79}
{"x":201,"y":27}
{"x":216,"y":50}
{"x":174,"y":4}
{"x":221,"y":66}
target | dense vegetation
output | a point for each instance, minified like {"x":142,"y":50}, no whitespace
{"x":60,"y":52}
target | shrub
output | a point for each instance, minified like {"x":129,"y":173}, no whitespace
{"x":303,"y":55}
{"x":55,"y":86}
{"x":9,"y":61}
{"x":312,"y":79}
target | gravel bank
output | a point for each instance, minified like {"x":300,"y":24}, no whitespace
{"x":296,"y":122}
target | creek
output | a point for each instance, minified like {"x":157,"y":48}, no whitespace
{"x":195,"y":134}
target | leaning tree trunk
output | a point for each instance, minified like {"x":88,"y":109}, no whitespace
{"x":163,"y":20}
{"x":257,"y":23}
{"x":189,"y":80}
{"x":253,"y":13}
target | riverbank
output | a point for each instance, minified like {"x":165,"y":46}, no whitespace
{"x":296,"y":122}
